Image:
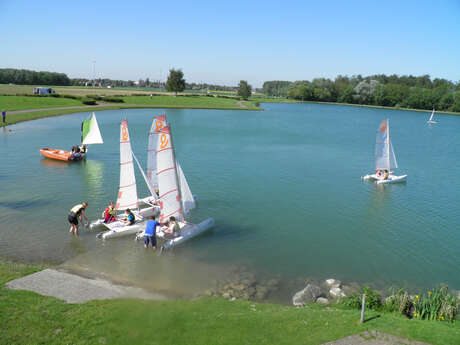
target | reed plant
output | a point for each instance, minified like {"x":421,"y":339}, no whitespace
{"x":437,"y":304}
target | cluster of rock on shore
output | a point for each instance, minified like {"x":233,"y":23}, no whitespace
{"x":240,"y":283}
{"x":329,"y":290}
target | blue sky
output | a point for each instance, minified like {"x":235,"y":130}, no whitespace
{"x":223,"y":42}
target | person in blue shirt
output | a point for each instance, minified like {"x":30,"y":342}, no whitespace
{"x":150,"y":233}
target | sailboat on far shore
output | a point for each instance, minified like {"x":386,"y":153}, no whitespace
{"x":385,"y":158}
{"x":431,"y":118}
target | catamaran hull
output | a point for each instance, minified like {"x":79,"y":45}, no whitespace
{"x":188,"y":232}
{"x":143,"y":212}
{"x":390,"y":179}
{"x":123,"y":231}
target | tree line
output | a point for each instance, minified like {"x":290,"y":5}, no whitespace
{"x":393,"y":91}
{"x":26,"y":77}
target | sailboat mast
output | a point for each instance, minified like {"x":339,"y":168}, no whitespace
{"x":388,"y":145}
{"x":175,"y":169}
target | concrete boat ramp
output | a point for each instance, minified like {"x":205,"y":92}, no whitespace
{"x":75,"y":289}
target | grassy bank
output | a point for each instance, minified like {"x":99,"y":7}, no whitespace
{"x":14,"y":103}
{"x":28,"y":318}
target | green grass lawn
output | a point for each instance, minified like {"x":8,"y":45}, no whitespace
{"x":21,"y":117}
{"x":11,"y":103}
{"x":29,"y":318}
{"x":202,"y":102}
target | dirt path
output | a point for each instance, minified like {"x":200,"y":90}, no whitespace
{"x":102,"y":105}
{"x":62,"y":108}
{"x":374,"y":338}
{"x":242,"y":105}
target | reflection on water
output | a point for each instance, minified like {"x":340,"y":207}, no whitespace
{"x":54,"y":163}
{"x":93,"y":176}
{"x":284,"y":192}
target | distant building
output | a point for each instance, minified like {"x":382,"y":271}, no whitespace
{"x":43,"y":91}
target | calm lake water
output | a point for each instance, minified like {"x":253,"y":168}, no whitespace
{"x":283,"y":186}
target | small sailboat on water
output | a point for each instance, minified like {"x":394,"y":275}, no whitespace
{"x":127,"y":194}
{"x":431,"y":118}
{"x":385,"y":158}
{"x":176,"y":198}
{"x":90,"y":135}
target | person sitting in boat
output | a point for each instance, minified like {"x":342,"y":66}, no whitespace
{"x":109,"y":213}
{"x":385,"y":175}
{"x":157,"y":192}
{"x":173,"y":227}
{"x":129,"y":219}
{"x":75,"y":153}
{"x":82,"y":149}
{"x":379,"y":173}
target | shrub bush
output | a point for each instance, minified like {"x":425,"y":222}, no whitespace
{"x":399,"y":302}
{"x":95,"y":97}
{"x":88,"y":101}
{"x":373,"y":300}
{"x":113,"y":100}
{"x":71,"y":96}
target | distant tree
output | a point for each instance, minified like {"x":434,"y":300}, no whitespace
{"x":176,"y":81}
{"x":276,"y":88}
{"x":244,"y":89}
{"x":365,"y":90}
{"x":347,"y":95}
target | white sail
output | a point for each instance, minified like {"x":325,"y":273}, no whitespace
{"x":393,"y":162}
{"x":188,"y":201}
{"x":382,"y":147}
{"x":90,"y":133}
{"x":127,"y":192}
{"x":431,"y":117}
{"x":158,"y":123}
{"x":171,"y":204}
{"x":147,"y":182}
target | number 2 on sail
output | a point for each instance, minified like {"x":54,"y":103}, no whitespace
{"x":124,"y":133}
{"x":164,"y":141}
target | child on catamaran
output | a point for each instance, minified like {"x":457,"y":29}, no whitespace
{"x":109,"y":213}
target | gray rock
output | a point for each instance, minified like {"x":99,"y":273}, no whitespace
{"x":333,"y":283}
{"x":336,"y":292}
{"x":322,"y":300}
{"x":226,"y":295}
{"x":307,"y":295}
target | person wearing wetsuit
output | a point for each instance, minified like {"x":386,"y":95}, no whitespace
{"x":78,"y":211}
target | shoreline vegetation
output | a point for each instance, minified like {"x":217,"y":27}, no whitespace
{"x":28,"y":317}
{"x":28,"y":107}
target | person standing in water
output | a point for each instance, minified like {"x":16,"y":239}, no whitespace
{"x":150,"y":233}
{"x":78,"y":211}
